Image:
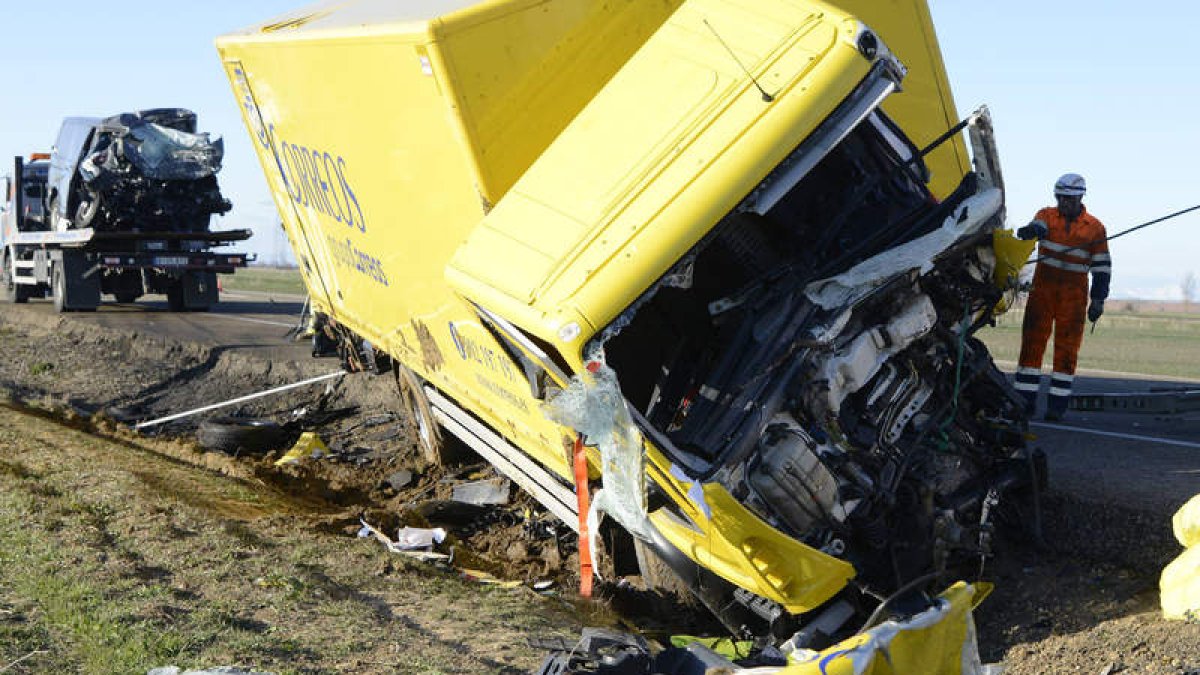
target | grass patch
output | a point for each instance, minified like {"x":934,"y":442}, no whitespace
{"x":266,"y":280}
{"x":1125,"y":341}
{"x":40,"y":368}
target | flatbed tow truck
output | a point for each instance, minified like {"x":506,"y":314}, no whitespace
{"x":76,"y":266}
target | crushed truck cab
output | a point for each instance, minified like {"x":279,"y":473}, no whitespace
{"x":706,"y":236}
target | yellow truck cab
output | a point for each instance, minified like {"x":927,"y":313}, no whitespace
{"x":699,"y":235}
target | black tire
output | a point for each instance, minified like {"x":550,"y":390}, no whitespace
{"x":175,"y":297}
{"x":126,"y":298}
{"x":11,"y":291}
{"x":240,"y":434}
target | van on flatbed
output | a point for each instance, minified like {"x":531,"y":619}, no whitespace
{"x":121,"y":206}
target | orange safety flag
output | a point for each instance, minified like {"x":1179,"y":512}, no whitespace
{"x":581,"y":494}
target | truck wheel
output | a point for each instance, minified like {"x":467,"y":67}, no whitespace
{"x":657,"y":576}
{"x":74,"y":290}
{"x":126,"y":298}
{"x":175,"y":297}
{"x":420,"y":412}
{"x":233,"y":434}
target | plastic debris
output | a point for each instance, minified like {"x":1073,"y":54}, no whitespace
{"x":1179,"y":585}
{"x":481,"y":577}
{"x":419,"y":538}
{"x":413,"y":542}
{"x":309,"y":445}
{"x":483,"y":492}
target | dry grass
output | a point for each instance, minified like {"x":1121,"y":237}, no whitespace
{"x":1132,"y":337}
{"x":265,"y":279}
{"x":104,"y":570}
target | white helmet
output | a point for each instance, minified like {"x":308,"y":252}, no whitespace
{"x":1070,"y":185}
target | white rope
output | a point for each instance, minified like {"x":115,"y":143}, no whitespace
{"x":214,"y":406}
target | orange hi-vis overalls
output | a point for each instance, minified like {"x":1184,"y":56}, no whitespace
{"x":1059,"y":300}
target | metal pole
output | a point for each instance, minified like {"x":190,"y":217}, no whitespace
{"x":249,"y":397}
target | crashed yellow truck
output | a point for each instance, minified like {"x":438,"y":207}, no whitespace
{"x":737,"y":249}
{"x":120,"y":206}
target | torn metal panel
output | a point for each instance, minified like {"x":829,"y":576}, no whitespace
{"x":918,"y":254}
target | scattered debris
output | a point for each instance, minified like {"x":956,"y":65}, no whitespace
{"x":413,"y":542}
{"x":399,"y":480}
{"x":419,"y":538}
{"x":238,"y":434}
{"x":483,"y":492}
{"x":941,"y":638}
{"x":240,"y":399}
{"x":481,"y":577}
{"x":309,"y":445}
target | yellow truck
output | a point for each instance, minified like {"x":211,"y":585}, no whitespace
{"x":735,"y":250}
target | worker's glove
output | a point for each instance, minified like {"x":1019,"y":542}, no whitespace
{"x":1095,"y":310}
{"x":1034,"y":230}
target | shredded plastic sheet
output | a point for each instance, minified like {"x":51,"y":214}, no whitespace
{"x":1179,"y":585}
{"x":854,"y":284}
{"x":593,"y":405}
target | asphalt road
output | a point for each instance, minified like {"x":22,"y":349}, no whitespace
{"x":1143,"y":460}
{"x":246,"y":320}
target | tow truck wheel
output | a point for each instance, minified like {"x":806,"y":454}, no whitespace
{"x":10,"y":291}
{"x":175,"y":297}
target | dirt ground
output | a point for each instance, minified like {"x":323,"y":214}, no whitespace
{"x":1085,"y":601}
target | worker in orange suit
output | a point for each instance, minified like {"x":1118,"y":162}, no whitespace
{"x":1072,"y":243}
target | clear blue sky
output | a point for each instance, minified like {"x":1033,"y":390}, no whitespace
{"x":1107,"y":89}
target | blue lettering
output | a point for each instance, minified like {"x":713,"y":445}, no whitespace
{"x":362,"y":221}
{"x":290,"y":155}
{"x":313,"y":158}
{"x":326,"y":160}
{"x":279,"y":163}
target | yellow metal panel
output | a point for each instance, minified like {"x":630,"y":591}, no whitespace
{"x":678,"y":137}
{"x":738,"y":546}
{"x":521,"y":71}
{"x":925,"y":108}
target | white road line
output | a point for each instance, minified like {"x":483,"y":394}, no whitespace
{"x":234,"y":317}
{"x":1114,"y":434}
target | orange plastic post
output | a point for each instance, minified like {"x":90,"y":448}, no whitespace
{"x":582,"y":497}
